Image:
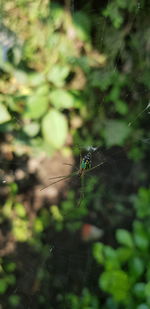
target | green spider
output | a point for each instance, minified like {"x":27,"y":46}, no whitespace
{"x":85,"y":167}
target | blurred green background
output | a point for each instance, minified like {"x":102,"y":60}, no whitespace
{"x":74,"y":74}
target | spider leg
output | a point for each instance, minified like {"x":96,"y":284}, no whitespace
{"x":57,"y":177}
{"x":59,"y":180}
{"x":92,"y":168}
{"x":69,"y":175}
{"x":71,"y":165}
{"x":68,"y":164}
{"x":51,"y":184}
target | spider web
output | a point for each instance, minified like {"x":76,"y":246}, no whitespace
{"x":69,"y":270}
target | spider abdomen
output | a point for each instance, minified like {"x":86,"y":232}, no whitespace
{"x":86,"y":162}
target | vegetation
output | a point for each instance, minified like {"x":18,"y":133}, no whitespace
{"x":75,"y":74}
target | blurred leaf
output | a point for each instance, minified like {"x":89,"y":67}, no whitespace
{"x":124,"y":254}
{"x":115,"y":282}
{"x":121,"y":107}
{"x":31,"y":129}
{"x":102,"y":79}
{"x":124,"y":238}
{"x":36,"y":79}
{"x":20,"y":229}
{"x":57,"y":14}
{"x":56,"y":213}
{"x":147,"y":290}
{"x":142,"y":203}
{"x":61,"y":99}
{"x":135,"y":154}
{"x":14,"y":300}
{"x":21,"y":77}
{"x":82,"y":25}
{"x":141,"y":237}
{"x":54,"y":128}
{"x":13,"y":188}
{"x":139,"y":290}
{"x":137,"y":266}
{"x":45,"y":218}
{"x":10,"y":267}
{"x":115,"y":132}
{"x":110,"y":252}
{"x":111,"y":259}
{"x":98,"y":252}
{"x":4,"y":115}
{"x":142,"y":306}
{"x":3,"y":286}
{"x":36,"y":106}
{"x":11,"y":279}
{"x":7,"y":209}
{"x":58,"y":74}
{"x":20,"y":210}
{"x":38,"y":225}
{"x":148,"y":271}
{"x":112,"y":11}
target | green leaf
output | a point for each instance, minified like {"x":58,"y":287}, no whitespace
{"x":20,"y":230}
{"x":137,"y":266}
{"x":98,"y":252}
{"x":4,"y":115}
{"x":115,"y":132}
{"x":38,"y":225}
{"x":82,"y":25}
{"x":112,"y":11}
{"x":110,"y":252}
{"x":102,"y":79}
{"x":121,"y":107}
{"x":148,"y":272}
{"x":10,"y":267}
{"x":61,"y":99}
{"x":21,"y":77}
{"x":124,"y":254}
{"x":36,"y":79}
{"x":20,"y":210}
{"x":11,"y":279}
{"x":142,"y":203}
{"x":139,"y":289}
{"x":147,"y":290}
{"x":110,"y":258}
{"x":115,"y":282}
{"x":124,"y":238}
{"x":142,"y":306}
{"x":136,"y":153}
{"x":141,"y":237}
{"x":14,"y":300}
{"x":58,"y":15}
{"x":54,"y":128}
{"x":3,"y":286}
{"x":31,"y":129}
{"x":45,"y":218}
{"x":37,"y":104}
{"x":58,"y":74}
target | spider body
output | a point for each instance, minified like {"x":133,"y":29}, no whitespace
{"x":86,"y":163}
{"x":85,"y":167}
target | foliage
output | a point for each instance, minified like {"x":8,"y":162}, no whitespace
{"x":86,"y":300}
{"x":80,"y":76}
{"x":126,"y":268}
{"x":52,"y":73}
